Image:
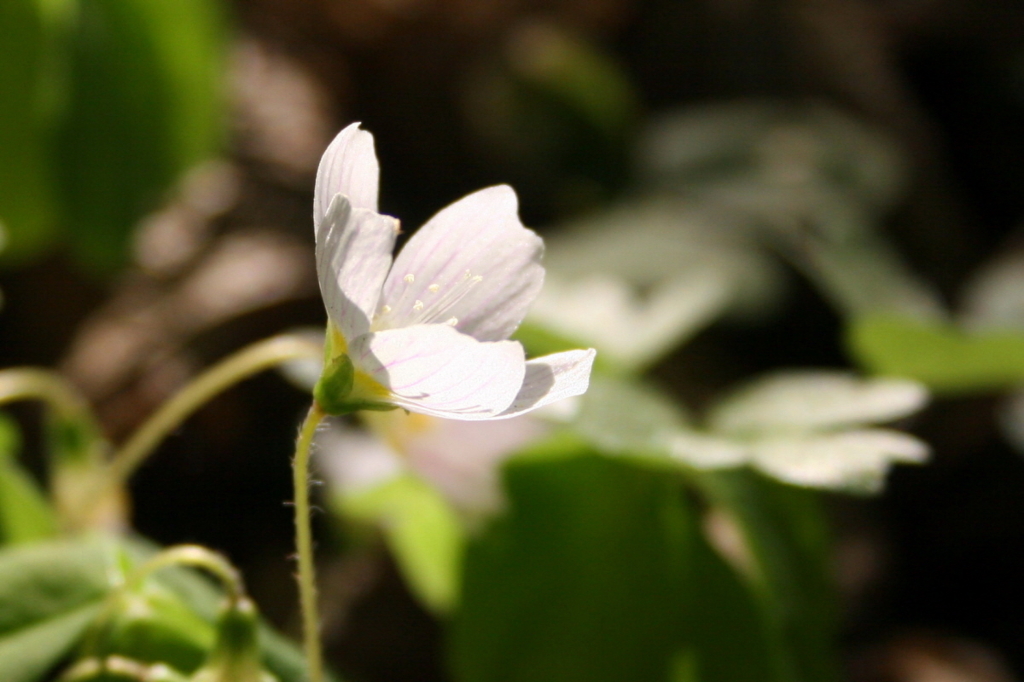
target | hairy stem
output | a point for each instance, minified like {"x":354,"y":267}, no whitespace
{"x":304,"y":545}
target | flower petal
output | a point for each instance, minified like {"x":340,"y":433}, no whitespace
{"x":433,"y":369}
{"x":348,"y":166}
{"x":353,"y":255}
{"x":550,"y":378}
{"x":473,"y":264}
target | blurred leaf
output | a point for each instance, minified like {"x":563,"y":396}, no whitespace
{"x":25,"y":515}
{"x":144,"y":105}
{"x":423,"y":532}
{"x":28,"y":653}
{"x":785,"y":534}
{"x":599,"y":572}
{"x":942,"y":356}
{"x":579,"y":581}
{"x":577,"y":73}
{"x":153,"y":625}
{"x":26,"y":195}
{"x":628,"y":418}
{"x":50,"y":594}
{"x":807,"y":400}
{"x":726,"y":628}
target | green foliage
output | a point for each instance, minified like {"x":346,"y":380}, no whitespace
{"x":25,"y":515}
{"x":26,"y":188}
{"x":941,"y":355}
{"x":614,"y":584}
{"x":113,"y":100}
{"x":785,"y":534}
{"x":60,"y":596}
{"x":422,"y":531}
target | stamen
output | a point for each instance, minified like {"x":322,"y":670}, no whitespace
{"x":436,"y":309}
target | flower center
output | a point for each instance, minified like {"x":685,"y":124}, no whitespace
{"x":428,"y":305}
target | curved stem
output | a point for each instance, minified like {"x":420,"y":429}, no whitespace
{"x":31,"y":383}
{"x":242,"y":365}
{"x":198,"y":557}
{"x":233,"y":369}
{"x":28,"y":383}
{"x":304,"y":545}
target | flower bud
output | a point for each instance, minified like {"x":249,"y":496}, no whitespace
{"x":236,"y":653}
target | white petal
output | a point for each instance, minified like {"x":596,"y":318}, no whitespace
{"x":550,"y":378}
{"x":473,"y":264}
{"x":348,"y":166}
{"x":434,"y":369}
{"x":353,"y":255}
{"x":854,"y":460}
{"x":812,"y":400}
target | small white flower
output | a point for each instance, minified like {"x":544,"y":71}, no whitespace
{"x":428,"y":331}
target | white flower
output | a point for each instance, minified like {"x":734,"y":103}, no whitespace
{"x":428,"y":331}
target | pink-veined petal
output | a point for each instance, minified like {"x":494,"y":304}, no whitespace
{"x":349,"y":166}
{"x":433,"y":369}
{"x":353,"y":254}
{"x":473,"y":265}
{"x":550,"y":378}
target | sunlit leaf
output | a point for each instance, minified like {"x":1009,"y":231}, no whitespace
{"x":422,"y":530}
{"x":814,"y":400}
{"x":940,"y":355}
{"x":25,"y":515}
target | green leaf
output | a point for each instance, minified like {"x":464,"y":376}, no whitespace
{"x":26,"y":196}
{"x":153,"y":625}
{"x":44,"y":580}
{"x":579,"y":580}
{"x":725,"y":626}
{"x":423,"y":532}
{"x":49,"y":593}
{"x":133,"y":125}
{"x":785,"y":533}
{"x":25,"y":515}
{"x":942,"y":356}
{"x":27,"y":654}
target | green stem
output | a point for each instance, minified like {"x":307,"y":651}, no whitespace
{"x":242,"y":365}
{"x":304,"y":545}
{"x":29,"y":383}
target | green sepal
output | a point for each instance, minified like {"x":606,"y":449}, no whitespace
{"x":335,"y":385}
